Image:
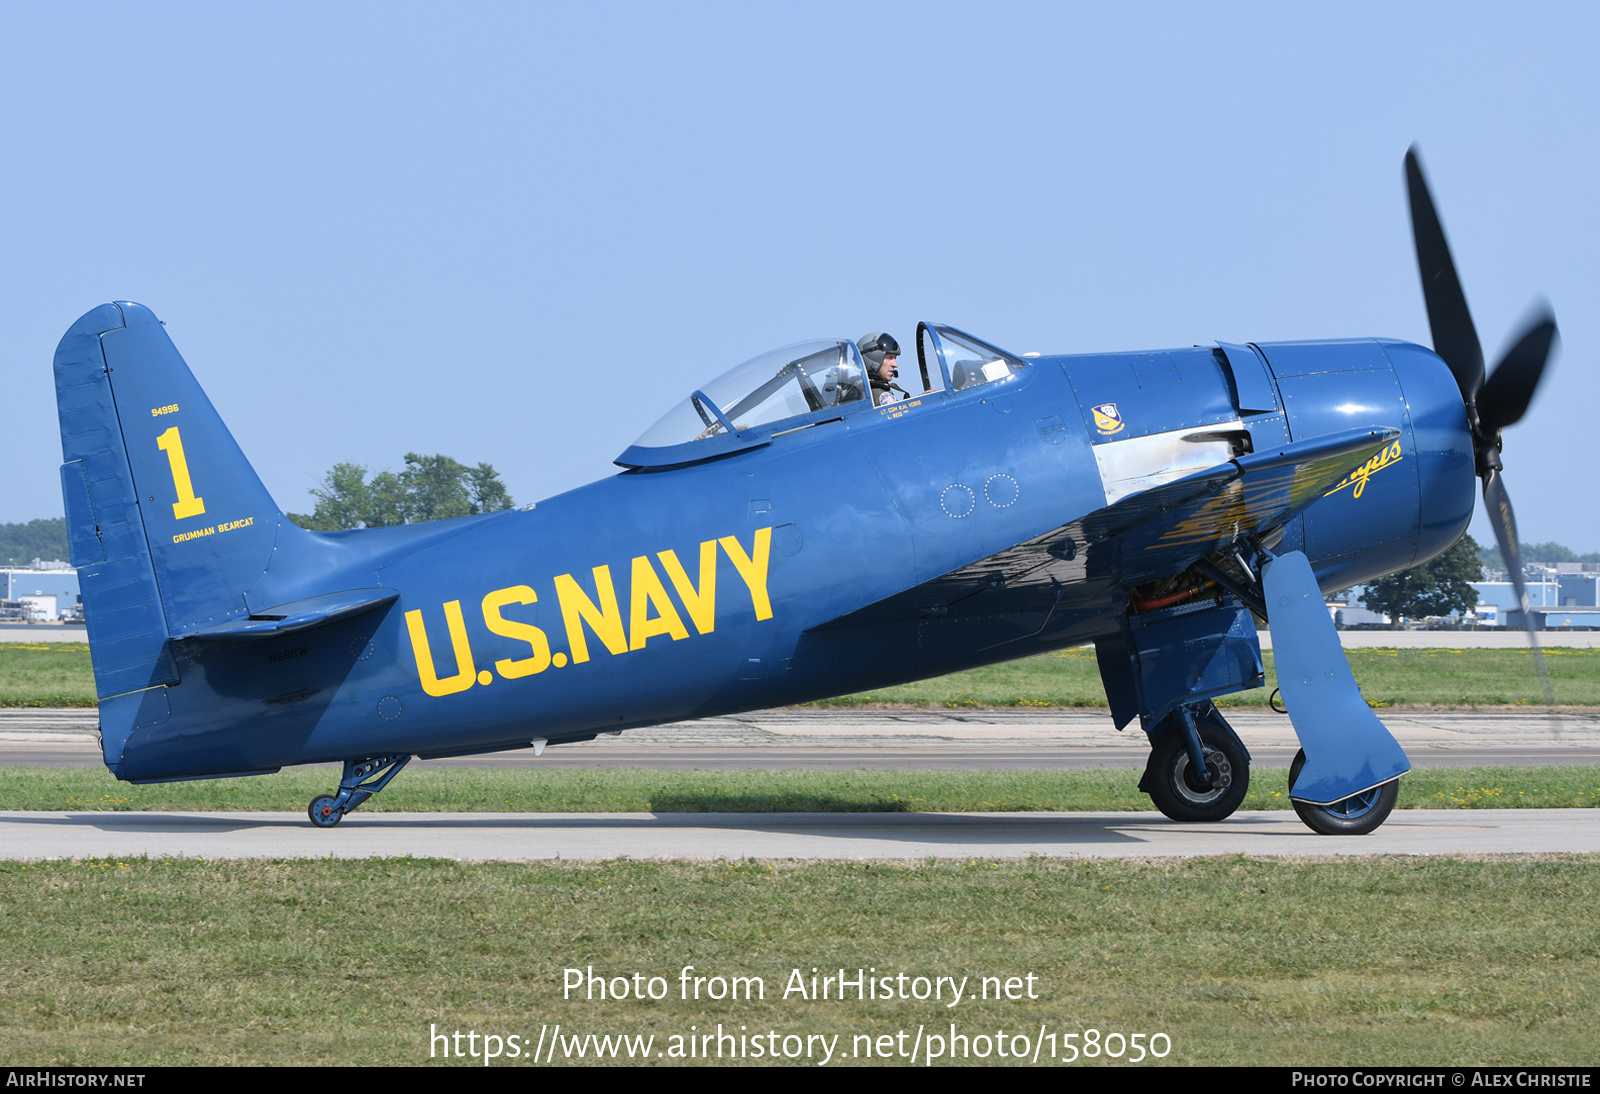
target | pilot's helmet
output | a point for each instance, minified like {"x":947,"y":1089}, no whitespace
{"x":875,"y":347}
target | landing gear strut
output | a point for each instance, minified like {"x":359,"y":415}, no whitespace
{"x":362,"y":779}
{"x":1198,"y":770}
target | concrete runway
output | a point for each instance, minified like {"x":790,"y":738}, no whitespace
{"x":783,"y":739}
{"x":711,"y":836}
{"x":954,"y":740}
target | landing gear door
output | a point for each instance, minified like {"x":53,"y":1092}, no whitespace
{"x":930,"y":356}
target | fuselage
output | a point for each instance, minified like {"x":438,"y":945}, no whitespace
{"x":707,"y":588}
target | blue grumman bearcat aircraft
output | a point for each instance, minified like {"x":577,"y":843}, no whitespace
{"x":778,"y":538}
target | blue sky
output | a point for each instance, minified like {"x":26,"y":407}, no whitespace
{"x":520,"y":234}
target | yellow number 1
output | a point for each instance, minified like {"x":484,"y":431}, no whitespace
{"x":187,"y":504}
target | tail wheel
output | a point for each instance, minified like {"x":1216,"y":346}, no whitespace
{"x":1174,"y":784}
{"x":324,"y":811}
{"x":1354,"y":816}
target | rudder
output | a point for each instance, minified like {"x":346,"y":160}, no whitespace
{"x":168,"y":522}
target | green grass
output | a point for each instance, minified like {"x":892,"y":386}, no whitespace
{"x":46,"y":674}
{"x":642,"y":791}
{"x":58,"y":674}
{"x":1434,"y":961}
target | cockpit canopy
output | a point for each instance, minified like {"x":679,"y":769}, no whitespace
{"x":792,"y":382}
{"x":783,"y":383}
{"x":968,"y":362}
{"x":803,"y":385}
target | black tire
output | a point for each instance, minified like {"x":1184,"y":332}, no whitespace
{"x":1354,"y":816}
{"x":1172,"y":787}
{"x":323,"y":811}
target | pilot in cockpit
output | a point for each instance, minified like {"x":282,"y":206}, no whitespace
{"x":880,"y":352}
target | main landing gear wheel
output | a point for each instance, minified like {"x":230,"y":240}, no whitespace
{"x":324,"y":811}
{"x":1178,"y":791}
{"x":1354,"y":816}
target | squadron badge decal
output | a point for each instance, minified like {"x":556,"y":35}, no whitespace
{"x":1107,"y":420}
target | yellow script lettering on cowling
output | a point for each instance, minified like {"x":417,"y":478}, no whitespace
{"x":1361,"y":474}
{"x":652,"y":613}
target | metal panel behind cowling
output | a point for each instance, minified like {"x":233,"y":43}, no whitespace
{"x":1141,"y":463}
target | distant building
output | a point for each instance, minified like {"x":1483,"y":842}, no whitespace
{"x":1565,"y":595}
{"x":1557,"y":619}
{"x":1348,"y":615}
{"x":44,"y":592}
{"x":1503,"y":595}
{"x":1579,"y":584}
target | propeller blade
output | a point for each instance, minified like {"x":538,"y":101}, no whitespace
{"x":1498,"y":502}
{"x":1505,"y":397}
{"x":1455,"y":339}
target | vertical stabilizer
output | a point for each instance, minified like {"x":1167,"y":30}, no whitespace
{"x":168,"y":522}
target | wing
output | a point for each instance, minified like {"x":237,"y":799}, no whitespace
{"x":1153,"y":533}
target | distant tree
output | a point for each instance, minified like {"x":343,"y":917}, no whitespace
{"x":23,"y":542}
{"x":1548,"y":552}
{"x":1437,"y":587}
{"x":430,"y":488}
{"x":486,"y":492}
{"x":342,"y":500}
{"x":1535,"y":554}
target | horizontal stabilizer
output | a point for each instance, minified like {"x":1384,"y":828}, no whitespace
{"x":299,"y":615}
{"x":1155,"y":532}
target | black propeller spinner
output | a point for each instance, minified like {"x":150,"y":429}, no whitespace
{"x":1492,"y":404}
